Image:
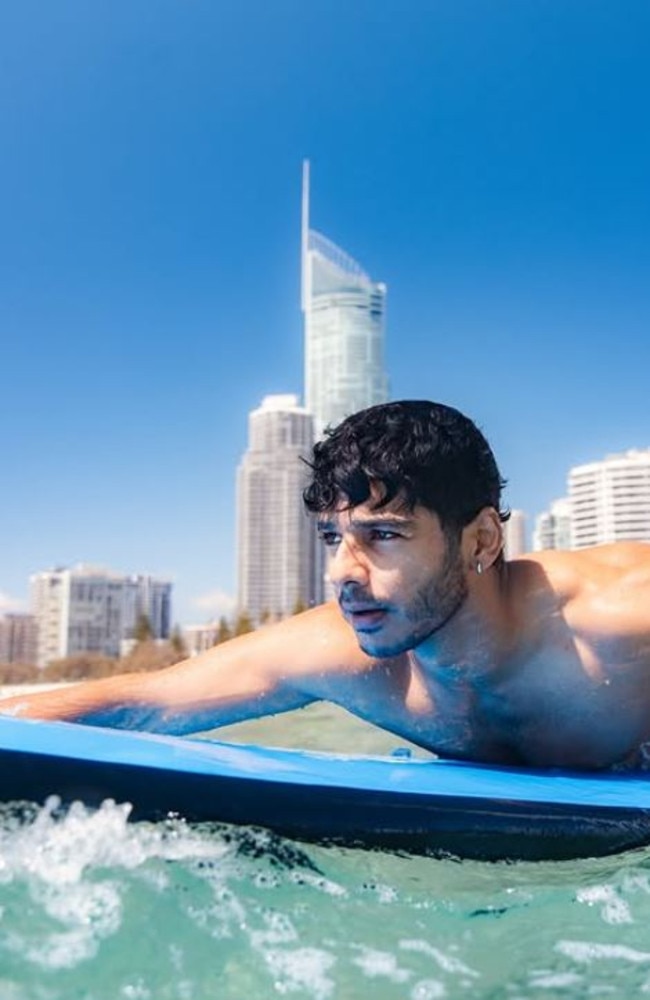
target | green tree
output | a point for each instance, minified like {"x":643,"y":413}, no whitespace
{"x":243,"y":623}
{"x":176,"y":641}
{"x":224,"y":632}
{"x":19,"y":673}
{"x":79,"y":667}
{"x":299,"y":607}
{"x":148,"y":656}
{"x":143,"y":630}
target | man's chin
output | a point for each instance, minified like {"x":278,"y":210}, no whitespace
{"x":382,"y":650}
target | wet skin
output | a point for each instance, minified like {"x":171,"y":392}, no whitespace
{"x":541,"y":661}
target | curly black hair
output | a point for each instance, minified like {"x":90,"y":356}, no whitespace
{"x":414,"y":451}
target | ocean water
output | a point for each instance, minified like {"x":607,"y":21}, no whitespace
{"x":94,"y":906}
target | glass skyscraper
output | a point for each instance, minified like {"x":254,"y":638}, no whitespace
{"x":344,"y":313}
{"x":280,"y":563}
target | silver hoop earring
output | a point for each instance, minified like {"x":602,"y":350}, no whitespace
{"x":479,"y":569}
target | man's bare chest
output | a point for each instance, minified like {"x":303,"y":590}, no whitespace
{"x":547,"y":712}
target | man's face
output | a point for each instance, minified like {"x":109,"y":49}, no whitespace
{"x":396,"y":576}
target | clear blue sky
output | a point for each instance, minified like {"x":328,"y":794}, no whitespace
{"x":490,"y":161}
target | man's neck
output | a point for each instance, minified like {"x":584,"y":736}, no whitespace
{"x":480,"y":636}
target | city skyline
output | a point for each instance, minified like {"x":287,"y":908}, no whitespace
{"x":488,"y":162}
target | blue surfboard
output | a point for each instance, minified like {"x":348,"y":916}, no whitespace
{"x":416,"y":806}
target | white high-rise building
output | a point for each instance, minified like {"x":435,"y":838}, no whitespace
{"x":90,"y":609}
{"x":344,"y":328}
{"x":149,"y":598}
{"x":198,"y":638}
{"x":553,"y":526}
{"x":275,"y":550}
{"x":514,"y":535}
{"x":610,"y":500}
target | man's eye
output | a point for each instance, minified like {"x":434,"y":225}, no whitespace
{"x":329,"y":538}
{"x":381,"y":535}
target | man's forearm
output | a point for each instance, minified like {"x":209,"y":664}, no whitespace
{"x":119,"y":702}
{"x":185,"y":698}
{"x":275,"y":669}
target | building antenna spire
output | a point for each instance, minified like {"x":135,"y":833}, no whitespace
{"x":304,"y":247}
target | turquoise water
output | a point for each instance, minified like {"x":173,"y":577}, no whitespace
{"x":92,"y":906}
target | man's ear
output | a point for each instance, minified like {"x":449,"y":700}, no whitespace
{"x":487,"y":538}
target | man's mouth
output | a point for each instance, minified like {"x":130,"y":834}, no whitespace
{"x":364,"y":617}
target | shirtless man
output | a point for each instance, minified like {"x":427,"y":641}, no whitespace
{"x":540,"y":661}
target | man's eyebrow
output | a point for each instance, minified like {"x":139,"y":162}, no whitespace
{"x":379,"y":521}
{"x":389,"y":520}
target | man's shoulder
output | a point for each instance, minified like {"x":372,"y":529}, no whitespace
{"x":605,"y":588}
{"x":597,"y":574}
{"x":599,"y":562}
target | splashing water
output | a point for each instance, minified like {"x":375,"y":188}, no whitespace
{"x":94,"y":906}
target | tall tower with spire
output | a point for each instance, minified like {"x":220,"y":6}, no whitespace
{"x":344,"y":312}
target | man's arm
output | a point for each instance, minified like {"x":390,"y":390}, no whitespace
{"x":275,"y":669}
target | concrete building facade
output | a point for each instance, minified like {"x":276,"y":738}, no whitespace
{"x":91,"y":609}
{"x":18,"y":638}
{"x":514,"y":535}
{"x":610,"y":500}
{"x":553,"y":526}
{"x":275,"y":536}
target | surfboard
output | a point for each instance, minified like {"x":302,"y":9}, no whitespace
{"x":397,"y":803}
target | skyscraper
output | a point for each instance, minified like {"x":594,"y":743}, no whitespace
{"x":275,"y":537}
{"x":514,"y":535}
{"x":610,"y":500}
{"x":553,"y":526}
{"x":344,"y":328}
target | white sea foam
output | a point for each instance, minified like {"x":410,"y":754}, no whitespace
{"x":614,"y":909}
{"x":278,"y":929}
{"x":90,"y":905}
{"x":375,"y":963}
{"x":448,"y":963}
{"x":427,"y":989}
{"x":58,"y":848}
{"x":318,"y":882}
{"x":590,"y":951}
{"x":135,"y":991}
{"x":11,"y":990}
{"x":555,"y":980}
{"x":385,"y":893}
{"x":304,"y":969}
{"x":69,"y":865}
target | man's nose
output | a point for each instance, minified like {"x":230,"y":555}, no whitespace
{"x":347,"y":565}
